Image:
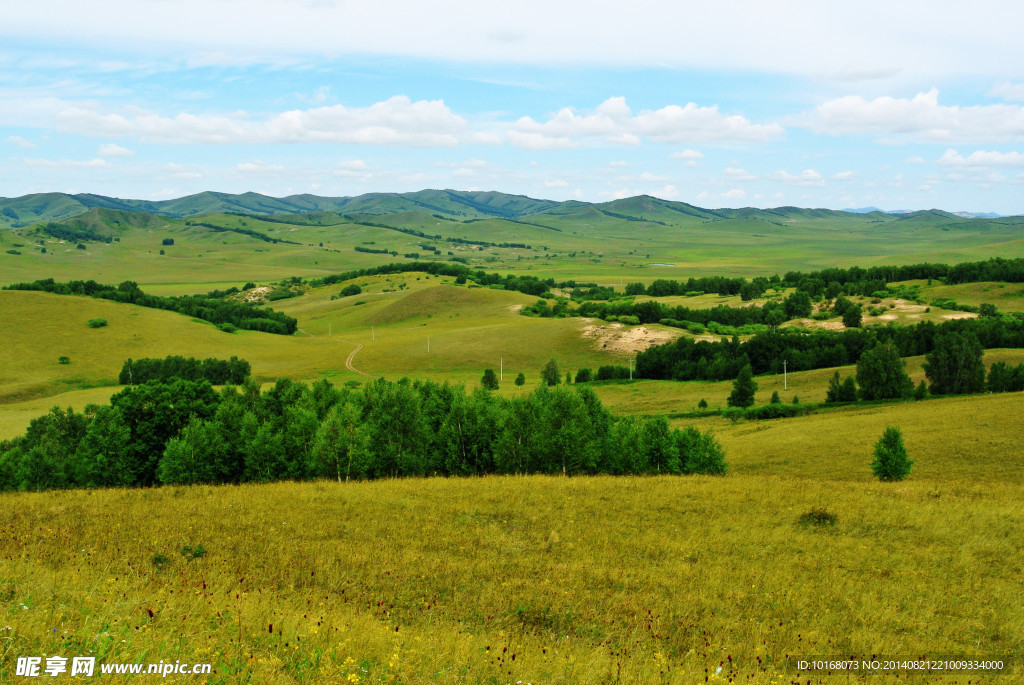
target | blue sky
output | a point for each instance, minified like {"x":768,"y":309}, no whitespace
{"x":895,"y":105}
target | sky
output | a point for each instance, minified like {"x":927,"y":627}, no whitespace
{"x":733,"y":103}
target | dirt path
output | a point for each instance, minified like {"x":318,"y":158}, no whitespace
{"x":351,"y":356}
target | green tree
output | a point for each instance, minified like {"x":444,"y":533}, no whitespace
{"x":954,"y":365}
{"x":550,"y":373}
{"x":520,"y":380}
{"x":852,"y":317}
{"x":699,"y":452}
{"x":191,"y":456}
{"x":797,"y":305}
{"x":584,"y":376}
{"x":103,"y":457}
{"x":891,"y":459}
{"x":350,"y":290}
{"x":775,"y":398}
{"x":743,"y":388}
{"x":490,"y":380}
{"x":882,"y":374}
{"x":338,"y":447}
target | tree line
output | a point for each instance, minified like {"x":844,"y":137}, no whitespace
{"x":218,"y":371}
{"x":186,"y":432}
{"x":213,"y":309}
{"x":687,"y":359}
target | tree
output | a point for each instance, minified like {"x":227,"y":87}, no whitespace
{"x":350,"y":290}
{"x":954,"y":365}
{"x":584,"y":376}
{"x":921,"y":391}
{"x":775,"y":398}
{"x":852,"y":317}
{"x":882,"y":375}
{"x":168,"y":241}
{"x":891,"y":459}
{"x":520,"y":380}
{"x":699,"y":452}
{"x":743,"y":388}
{"x":550,"y":373}
{"x":490,"y":380}
{"x":797,"y":305}
{"x":703,"y":404}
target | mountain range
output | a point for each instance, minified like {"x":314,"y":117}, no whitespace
{"x":454,"y":204}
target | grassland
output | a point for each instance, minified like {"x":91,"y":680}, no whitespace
{"x":503,"y":580}
{"x":585,"y":580}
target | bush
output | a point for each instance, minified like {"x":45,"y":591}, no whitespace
{"x":891,"y":460}
{"x":227,"y":327}
{"x":489,"y":380}
{"x":63,"y":360}
{"x":703,"y":404}
{"x":520,"y":380}
{"x":97,"y":323}
{"x":350,"y":290}
{"x":168,"y":241}
{"x":584,"y":376}
{"x":817,"y":516}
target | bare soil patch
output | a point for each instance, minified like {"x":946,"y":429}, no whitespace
{"x":616,"y":337}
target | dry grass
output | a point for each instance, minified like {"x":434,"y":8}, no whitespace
{"x":506,"y":579}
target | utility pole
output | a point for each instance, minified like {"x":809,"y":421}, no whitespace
{"x":630,"y":368}
{"x":785,"y":378}
{"x":373,"y":336}
{"x":501,"y":368}
{"x":428,"y":344}
{"x":328,"y":330}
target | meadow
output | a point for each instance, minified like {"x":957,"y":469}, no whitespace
{"x":514,"y":579}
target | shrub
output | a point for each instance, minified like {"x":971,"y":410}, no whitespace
{"x":520,"y":380}
{"x":80,"y":246}
{"x":817,"y":516}
{"x":775,"y":398}
{"x":350,"y":290}
{"x":703,"y":404}
{"x":167,"y":241}
{"x":743,"y":388}
{"x":891,"y":460}
{"x":97,"y":323}
{"x":584,"y":376}
{"x":190,"y":553}
{"x":489,"y":380}
{"x":63,"y":360}
{"x":227,"y":327}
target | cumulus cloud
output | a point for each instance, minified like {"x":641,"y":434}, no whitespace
{"x":687,"y":154}
{"x":737,"y":174}
{"x":843,"y":176}
{"x":20,"y":142}
{"x":982,"y":158}
{"x":921,"y":117}
{"x":396,"y":121}
{"x":259,"y":167}
{"x":614,"y":122}
{"x":807,"y":177}
{"x":112,"y":150}
{"x":914,"y":160}
{"x":1009,"y":91}
{"x":69,"y":163}
{"x":734,"y":193}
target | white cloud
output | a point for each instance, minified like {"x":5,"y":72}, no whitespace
{"x":920,"y":117}
{"x":69,"y":163}
{"x":354,"y":165}
{"x":614,"y":122}
{"x":1009,"y":91}
{"x":688,"y":154}
{"x":737,"y":174}
{"x":618,"y":164}
{"x":734,"y":194}
{"x":259,"y":167}
{"x":21,"y":142}
{"x":396,"y":121}
{"x":807,"y":177}
{"x":982,"y":158}
{"x":914,"y":160}
{"x":112,"y":150}
{"x":555,"y":183}
{"x":792,"y":36}
{"x":843,"y":176}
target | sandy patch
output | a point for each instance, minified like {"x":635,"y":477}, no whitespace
{"x":257,"y":294}
{"x":812,"y":323}
{"x":887,"y":317}
{"x":960,"y":315}
{"x":515,"y":307}
{"x":615,"y":337}
{"x":908,"y":306}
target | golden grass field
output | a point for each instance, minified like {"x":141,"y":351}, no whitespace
{"x":510,"y":579}
{"x":521,"y":579}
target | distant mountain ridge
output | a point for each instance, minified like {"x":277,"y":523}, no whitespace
{"x":455,"y":204}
